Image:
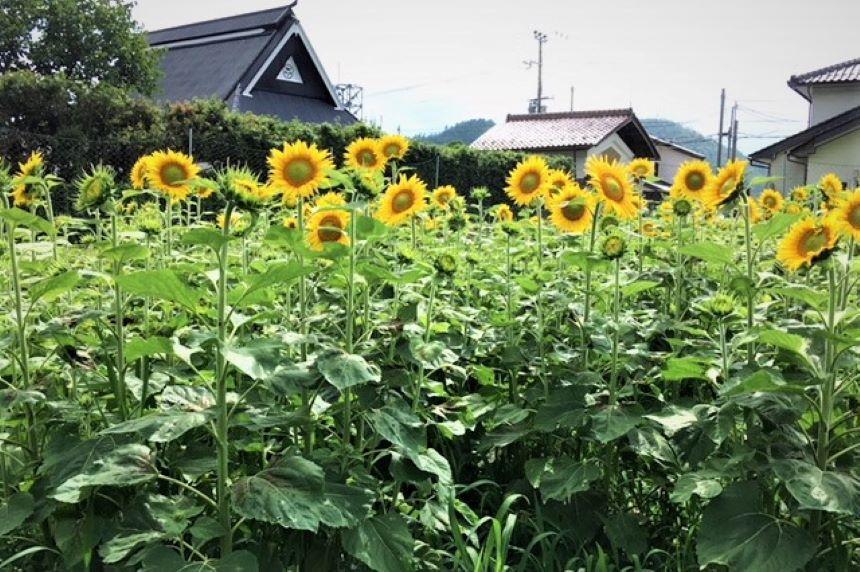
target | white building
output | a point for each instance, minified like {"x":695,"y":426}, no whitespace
{"x":831,"y":141}
{"x":615,"y":133}
{"x":672,"y":156}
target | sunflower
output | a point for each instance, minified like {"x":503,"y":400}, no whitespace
{"x":755,"y":210}
{"x":807,"y":241}
{"x":172,"y":173}
{"x":772,"y":200}
{"x":800,"y":194}
{"x":504,"y":213}
{"x":25,"y":193}
{"x":640,"y":202}
{"x":726,"y":184}
{"x":528,"y":181}
{"x":666,"y":210}
{"x":240,"y":186}
{"x":291,"y":223}
{"x":204,"y":192}
{"x":691,"y":180}
{"x":95,"y":188}
{"x":572,"y":210}
{"x":650,"y":228}
{"x":831,"y":185}
{"x":402,"y":201}
{"x":443,"y":195}
{"x":299,"y":168}
{"x":558,"y":180}
{"x":393,"y":146}
{"x":847,"y":215}
{"x":365,"y":153}
{"x":793,"y":208}
{"x":612,"y":183}
{"x":330,"y":199}
{"x":325,"y":227}
{"x":640,"y":168}
{"x":138,"y":172}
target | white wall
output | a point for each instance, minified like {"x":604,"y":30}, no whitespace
{"x":830,"y":100}
{"x":612,"y":142}
{"x":670,"y":160}
{"x":793,"y":174}
{"x":840,"y":156}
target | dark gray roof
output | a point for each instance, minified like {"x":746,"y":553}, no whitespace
{"x":208,"y":70}
{"x":289,"y":107}
{"x":803,"y":143}
{"x":218,"y":58}
{"x":267,"y":19}
{"x":843,"y":72}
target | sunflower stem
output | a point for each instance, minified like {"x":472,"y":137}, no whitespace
{"x":119,"y":326}
{"x":750,"y":278}
{"x":613,"y":378}
{"x":349,"y":332}
{"x":303,"y":331}
{"x":221,"y":429}
{"x":587,"y":303}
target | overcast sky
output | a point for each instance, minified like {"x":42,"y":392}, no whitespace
{"x":427,"y":64}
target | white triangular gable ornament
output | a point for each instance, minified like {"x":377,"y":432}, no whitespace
{"x":290,"y":72}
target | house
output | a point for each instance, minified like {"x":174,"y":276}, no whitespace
{"x":831,"y":141}
{"x":672,"y":156}
{"x":615,"y":133}
{"x":259,"y":62}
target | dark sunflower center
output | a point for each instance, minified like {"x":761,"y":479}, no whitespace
{"x":530,"y":182}
{"x":854,"y":216}
{"x":695,"y":181}
{"x":366,"y":157}
{"x":573,"y":210}
{"x":814,"y":241}
{"x":173,"y":173}
{"x":402,"y":201}
{"x":330,"y":229}
{"x":299,"y":171}
{"x":391,"y":150}
{"x":444,"y":198}
{"x":769,"y":202}
{"x":612,"y":188}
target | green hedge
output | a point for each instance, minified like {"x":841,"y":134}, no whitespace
{"x":77,"y":126}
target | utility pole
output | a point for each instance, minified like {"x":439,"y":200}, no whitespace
{"x":536,"y":105}
{"x":720,"y":130}
{"x":571,"y":98}
{"x":733,"y":133}
{"x":541,"y":39}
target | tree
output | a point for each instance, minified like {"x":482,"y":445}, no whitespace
{"x":91,"y":41}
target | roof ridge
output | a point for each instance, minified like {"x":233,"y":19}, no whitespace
{"x":570,"y":114}
{"x":826,"y":69}
{"x":284,"y":9}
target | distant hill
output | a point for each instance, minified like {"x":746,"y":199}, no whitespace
{"x":464,"y":132}
{"x":684,"y":136}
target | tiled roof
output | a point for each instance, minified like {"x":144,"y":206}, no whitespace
{"x":680,"y":148}
{"x":837,"y":73}
{"x":553,"y":130}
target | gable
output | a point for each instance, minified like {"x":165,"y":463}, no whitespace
{"x":305,"y":78}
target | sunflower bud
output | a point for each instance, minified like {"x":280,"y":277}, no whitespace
{"x":95,"y":188}
{"x":241,"y":187}
{"x":613,"y":246}
{"x":148,"y":219}
{"x":681,"y":207}
{"x":609,"y":221}
{"x":445,"y":264}
{"x":720,"y":304}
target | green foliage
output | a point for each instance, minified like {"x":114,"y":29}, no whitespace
{"x":84,"y":40}
{"x":78,"y":125}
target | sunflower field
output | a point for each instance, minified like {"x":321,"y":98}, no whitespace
{"x":319,"y":368}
